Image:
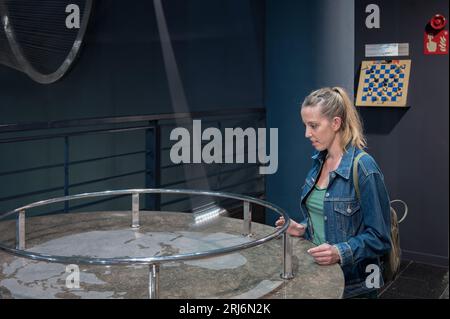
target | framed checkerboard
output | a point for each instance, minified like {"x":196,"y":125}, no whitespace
{"x":383,"y":83}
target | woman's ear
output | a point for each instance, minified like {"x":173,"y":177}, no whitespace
{"x":336,"y":123}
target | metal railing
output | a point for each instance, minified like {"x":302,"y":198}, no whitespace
{"x":68,"y":132}
{"x":153,"y":262}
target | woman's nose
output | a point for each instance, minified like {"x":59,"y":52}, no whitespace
{"x":307,"y":134}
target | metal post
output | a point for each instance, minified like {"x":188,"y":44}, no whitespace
{"x":153,"y":164}
{"x":287,"y":257}
{"x":247,"y":219}
{"x":135,"y":210}
{"x":20,"y":230}
{"x":153,"y":281}
{"x":66,"y":172}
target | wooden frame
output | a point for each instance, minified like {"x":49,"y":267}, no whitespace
{"x":383,"y":83}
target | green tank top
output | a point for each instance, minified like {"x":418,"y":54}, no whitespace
{"x":314,"y":204}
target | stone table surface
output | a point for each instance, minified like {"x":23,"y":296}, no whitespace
{"x":249,"y":273}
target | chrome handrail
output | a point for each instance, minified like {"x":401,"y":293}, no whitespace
{"x":155,"y":260}
{"x":146,"y":260}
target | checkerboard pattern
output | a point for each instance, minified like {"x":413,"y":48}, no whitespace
{"x":383,"y":83}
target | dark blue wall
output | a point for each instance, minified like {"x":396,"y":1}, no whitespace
{"x":411,"y":144}
{"x":309,"y":44}
{"x":219,"y":50}
{"x":236,"y":53}
{"x":218,"y":46}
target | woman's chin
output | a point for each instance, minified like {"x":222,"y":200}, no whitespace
{"x":318,"y":147}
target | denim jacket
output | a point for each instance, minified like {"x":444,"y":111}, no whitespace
{"x":359,"y":229}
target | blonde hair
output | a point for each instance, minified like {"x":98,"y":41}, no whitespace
{"x":334,"y":102}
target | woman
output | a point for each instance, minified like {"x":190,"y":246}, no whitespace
{"x":348,"y":229}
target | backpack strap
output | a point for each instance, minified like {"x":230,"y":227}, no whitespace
{"x":355,"y":173}
{"x":356,"y":185}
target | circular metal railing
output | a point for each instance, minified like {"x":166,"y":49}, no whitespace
{"x":154,"y":261}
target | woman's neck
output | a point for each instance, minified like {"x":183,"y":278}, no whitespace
{"x":335,"y":150}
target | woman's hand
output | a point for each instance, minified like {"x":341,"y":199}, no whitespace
{"x":325,"y":254}
{"x":294,"y":229}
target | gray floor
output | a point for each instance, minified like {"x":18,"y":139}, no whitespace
{"x":418,"y":281}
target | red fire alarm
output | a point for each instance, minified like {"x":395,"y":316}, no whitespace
{"x":435,"y":40}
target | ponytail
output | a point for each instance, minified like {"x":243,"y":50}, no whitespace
{"x":335,"y":102}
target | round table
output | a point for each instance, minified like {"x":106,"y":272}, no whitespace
{"x":249,"y":273}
